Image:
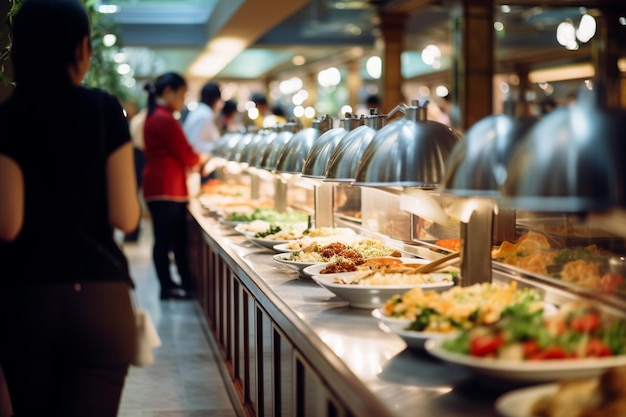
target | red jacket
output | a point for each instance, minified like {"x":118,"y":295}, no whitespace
{"x":168,"y":157}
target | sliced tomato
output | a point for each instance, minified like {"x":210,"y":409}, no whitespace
{"x":551,"y":352}
{"x":485,"y":344}
{"x":530,"y":348}
{"x":596,"y":348}
{"x":586,"y":323}
{"x":610,"y":282}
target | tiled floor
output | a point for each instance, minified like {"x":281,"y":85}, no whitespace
{"x":185,"y":380}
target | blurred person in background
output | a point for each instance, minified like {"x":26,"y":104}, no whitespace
{"x":268,"y":116}
{"x":371,"y":102}
{"x":67,"y":326}
{"x":200,"y":125}
{"x":169,"y":159}
{"x":228,"y":117}
{"x":136,"y":120}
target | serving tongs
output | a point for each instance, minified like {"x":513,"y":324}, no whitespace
{"x":448,"y":260}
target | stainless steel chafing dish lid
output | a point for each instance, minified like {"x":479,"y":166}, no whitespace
{"x":323,"y":147}
{"x":345,"y":159}
{"x":292,"y":157}
{"x":246,"y":153}
{"x":235,"y":152}
{"x":270,"y":154}
{"x":574,"y":160}
{"x":225,"y":144}
{"x":477,"y":166}
{"x":409,"y":152}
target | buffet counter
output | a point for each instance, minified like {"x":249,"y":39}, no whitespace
{"x":292,"y":348}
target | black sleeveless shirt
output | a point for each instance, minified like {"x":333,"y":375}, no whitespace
{"x":61,"y":146}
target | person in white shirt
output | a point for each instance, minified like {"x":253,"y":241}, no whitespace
{"x":200,"y":125}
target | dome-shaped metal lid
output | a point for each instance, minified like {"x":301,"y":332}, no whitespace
{"x":345,"y":159}
{"x":246,"y":153}
{"x":291,"y":159}
{"x":574,"y":160}
{"x":273,"y":151}
{"x":409,"y":152}
{"x":477,"y":166}
{"x":323,"y":147}
{"x":235,"y":153}
{"x":225,"y":144}
{"x":256,"y":153}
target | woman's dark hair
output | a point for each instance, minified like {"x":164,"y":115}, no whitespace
{"x":210,"y":94}
{"x":155,"y":89}
{"x":45,"y":36}
{"x":230,"y":107}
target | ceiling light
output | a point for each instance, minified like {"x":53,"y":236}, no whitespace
{"x":499,"y":26}
{"x":309,"y":112}
{"x":586,"y":28}
{"x":570,"y":72}
{"x":108,"y":8}
{"x":298,"y":60}
{"x":298,"y":111}
{"x":505,"y":8}
{"x":565,"y":33}
{"x":109,"y":39}
{"x":329,"y":77}
{"x":430,"y":54}
{"x":374,"y":67}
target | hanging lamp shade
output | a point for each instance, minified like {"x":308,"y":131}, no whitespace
{"x":477,"y":165}
{"x":574,"y":160}
{"x":408,"y":152}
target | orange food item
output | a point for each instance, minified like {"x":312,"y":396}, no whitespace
{"x":452,"y":244}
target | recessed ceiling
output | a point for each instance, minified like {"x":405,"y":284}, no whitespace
{"x":170,"y":35}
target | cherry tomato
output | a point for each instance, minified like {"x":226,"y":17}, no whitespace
{"x":551,"y":352}
{"x":610,"y":282}
{"x":585,"y":323}
{"x":530,"y":348}
{"x":485,"y":344}
{"x":596,"y":348}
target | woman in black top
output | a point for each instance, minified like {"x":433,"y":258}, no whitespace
{"x":67,"y":330}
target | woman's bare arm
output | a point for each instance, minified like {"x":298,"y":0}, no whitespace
{"x":124,"y":209}
{"x":11,"y":199}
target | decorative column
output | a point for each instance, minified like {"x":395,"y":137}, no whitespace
{"x":473,"y":63}
{"x":606,"y":53}
{"x":522,"y":106}
{"x":354,"y":82}
{"x":393,"y":28}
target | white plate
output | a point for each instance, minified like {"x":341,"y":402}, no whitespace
{"x":231,"y":222}
{"x":373,"y":296}
{"x":282,"y":247}
{"x":252,"y":228}
{"x":316,"y":269}
{"x":283,"y":258}
{"x":266,"y":243}
{"x":518,"y":403}
{"x":526,"y":371}
{"x":398,"y":326}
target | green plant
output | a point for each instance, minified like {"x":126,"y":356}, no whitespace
{"x":5,"y":40}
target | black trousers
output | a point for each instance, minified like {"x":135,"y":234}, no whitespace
{"x":65,"y":349}
{"x":169,"y":225}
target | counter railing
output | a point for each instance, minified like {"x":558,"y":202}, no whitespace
{"x":291,"y":348}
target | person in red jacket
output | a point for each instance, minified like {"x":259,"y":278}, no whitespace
{"x":168,"y":160}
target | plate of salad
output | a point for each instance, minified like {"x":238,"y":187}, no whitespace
{"x":526,"y":346}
